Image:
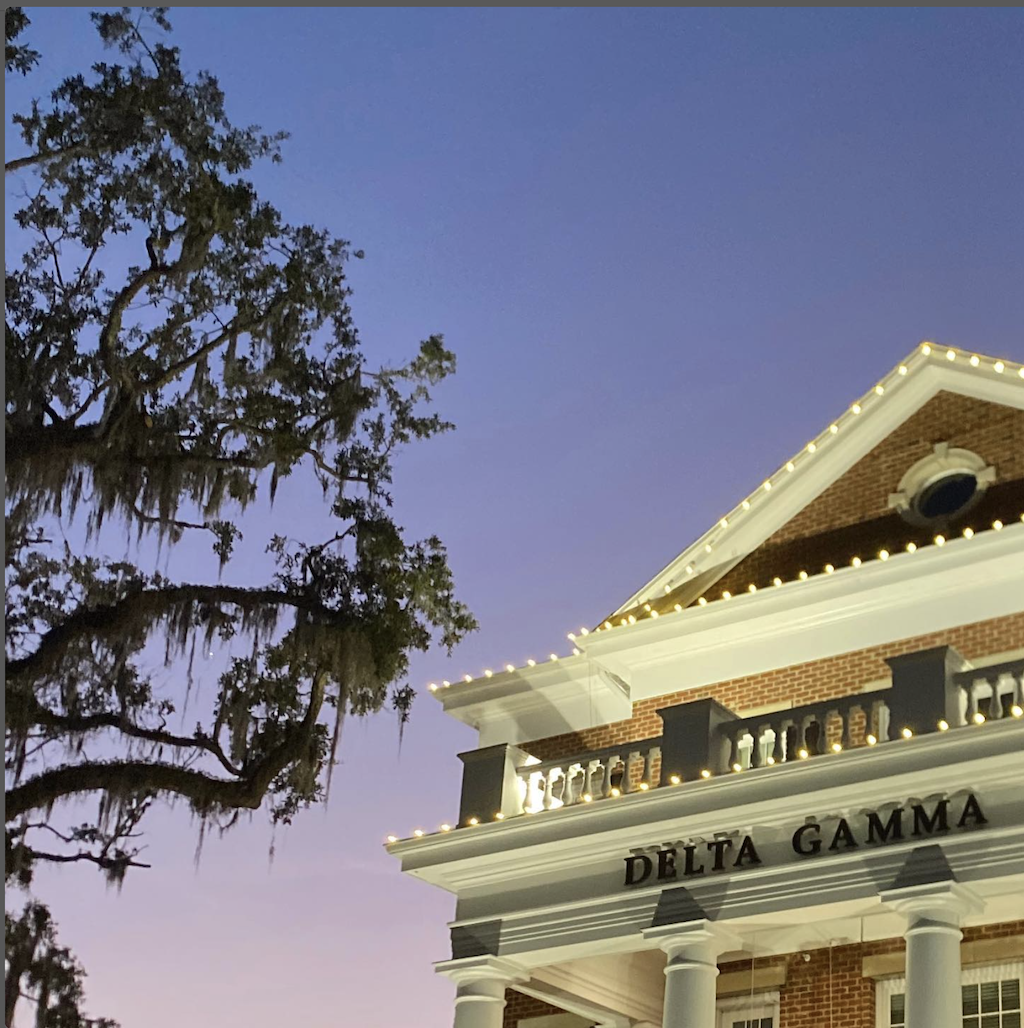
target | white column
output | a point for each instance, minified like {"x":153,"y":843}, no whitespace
{"x":480,"y":984}
{"x":933,"y":935}
{"x":690,"y":972}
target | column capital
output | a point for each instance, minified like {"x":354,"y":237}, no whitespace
{"x":937,"y":901}
{"x":701,"y":931}
{"x":484,"y":968}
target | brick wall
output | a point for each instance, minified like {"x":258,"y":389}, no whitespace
{"x":519,"y":1007}
{"x":994,"y":432}
{"x":841,"y":675}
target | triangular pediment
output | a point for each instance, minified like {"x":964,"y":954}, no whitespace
{"x":837,"y":499}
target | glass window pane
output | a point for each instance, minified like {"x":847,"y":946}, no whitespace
{"x":1011,"y":1020}
{"x":989,"y":997}
{"x":767,"y":1022}
{"x":897,"y":1002}
{"x":990,"y":1021}
{"x":970,"y":1022}
{"x":1011,"y":994}
{"x":971,"y":1001}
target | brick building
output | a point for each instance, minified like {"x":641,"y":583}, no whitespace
{"x":782,"y":786}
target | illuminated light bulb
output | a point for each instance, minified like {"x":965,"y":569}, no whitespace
{"x":668,"y":589}
{"x":724,"y":522}
{"x":570,"y":635}
{"x":575,"y":652}
{"x":392,"y":838}
{"x":418,"y":832}
{"x":587,"y":798}
{"x":907,"y":733}
{"x":552,"y":656}
{"x":999,"y":367}
{"x":940,"y":540}
{"x":856,"y":562}
{"x":926,"y":348}
{"x":531,"y":662}
{"x":674,"y":779}
{"x":879,"y":389}
{"x":770,"y":760}
{"x":856,"y":408}
{"x":616,"y":792}
{"x":510,"y":667}
{"x":790,"y":466}
{"x":737,"y":768}
{"x":467,"y":678}
{"x":446,"y":683}
{"x":871,"y":740}
{"x":644,"y":787}
{"x":979,"y":718}
{"x":1017,"y":710}
{"x":776,"y":582}
{"x":499,"y":816}
{"x":446,"y":828}
{"x":586,"y":631}
{"x":751,"y":588}
{"x":903,"y":369}
{"x":631,"y":619}
{"x":702,"y":602}
{"x":837,"y":747}
{"x":707,"y":547}
{"x":767,"y":487}
{"x":968,"y":532}
{"x":802,"y":576}
{"x":829,"y":569}
{"x":833,"y":428}
{"x":951,"y":355}
{"x":726,"y":595}
{"x":975,"y":360}
{"x":689,"y":569}
{"x":607,"y":624}
{"x":488,"y":673}
{"x":802,"y":753}
{"x":678,"y":608}
{"x":811,"y":447}
{"x":997,"y":524}
{"x":1020,"y":372}
{"x":654,"y":613}
{"x":943,"y":725}
{"x":474,"y":821}
{"x":432,"y":687}
{"x":623,"y":621}
{"x":745,"y":505}
{"x":705,"y":773}
{"x":647,"y":607}
{"x":883,"y":554}
{"x":911,"y":547}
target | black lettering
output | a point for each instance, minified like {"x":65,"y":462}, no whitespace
{"x":718,"y":847}
{"x":923,"y":824}
{"x":666,"y":864}
{"x":690,"y":866}
{"x":843,"y":836}
{"x":972,"y":812}
{"x":808,"y":848}
{"x":893,"y":828}
{"x":747,"y":853}
{"x":632,"y":863}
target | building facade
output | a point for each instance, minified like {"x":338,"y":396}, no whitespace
{"x":782,"y":786}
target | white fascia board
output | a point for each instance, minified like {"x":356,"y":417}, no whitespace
{"x":910,"y":594}
{"x":834,"y":455}
{"x":494,"y":856}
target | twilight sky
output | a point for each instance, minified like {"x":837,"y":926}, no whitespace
{"x":668,"y":246}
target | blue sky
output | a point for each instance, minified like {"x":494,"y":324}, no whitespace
{"x":668,"y":247}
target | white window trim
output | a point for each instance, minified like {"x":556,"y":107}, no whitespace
{"x":973,"y":975}
{"x":757,"y":1004}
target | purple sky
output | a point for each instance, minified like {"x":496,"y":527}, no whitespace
{"x":668,"y":247}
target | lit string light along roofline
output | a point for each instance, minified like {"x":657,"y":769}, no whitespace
{"x":928,"y":353}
